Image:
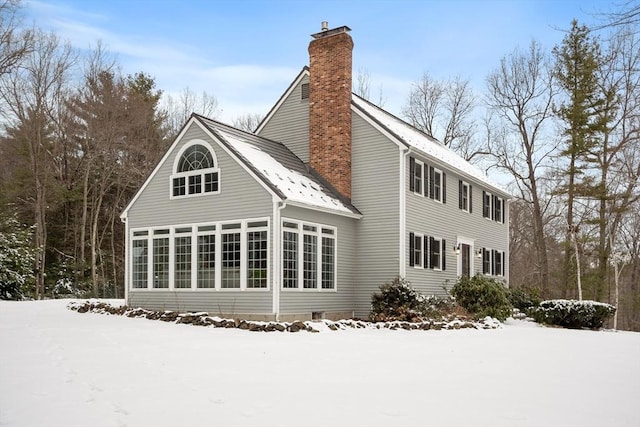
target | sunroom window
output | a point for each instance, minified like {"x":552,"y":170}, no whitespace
{"x":195,"y":172}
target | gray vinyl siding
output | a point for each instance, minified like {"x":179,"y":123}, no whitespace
{"x":295,"y":301}
{"x":447,"y":221}
{"x":375,"y":192}
{"x":240,"y":197}
{"x":290,"y":123}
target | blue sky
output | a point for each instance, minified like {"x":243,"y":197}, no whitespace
{"x":246,"y":52}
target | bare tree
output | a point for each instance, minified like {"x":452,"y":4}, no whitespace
{"x":33,"y":94}
{"x":520,"y":92}
{"x":248,"y":122}
{"x":15,"y":43}
{"x":444,"y":110}
{"x":362,"y":88}
{"x":178,"y":109}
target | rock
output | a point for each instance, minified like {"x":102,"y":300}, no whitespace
{"x":297,"y":326}
{"x":243,"y":325}
{"x":279,"y":327}
{"x":256,"y":327}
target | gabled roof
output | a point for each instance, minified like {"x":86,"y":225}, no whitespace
{"x":279,"y":169}
{"x":413,"y":138}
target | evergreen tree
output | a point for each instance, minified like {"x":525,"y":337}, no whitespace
{"x":578,"y":59}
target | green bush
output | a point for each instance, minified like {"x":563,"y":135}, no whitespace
{"x":524,"y":300}
{"x":482,"y":297}
{"x":397,"y":300}
{"x":16,"y":258}
{"x":573,"y":314}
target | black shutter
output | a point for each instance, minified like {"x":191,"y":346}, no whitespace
{"x":425,"y":253}
{"x":493,"y":262}
{"x":504,"y":208}
{"x":460,"y":188}
{"x":504,"y":261}
{"x":425,"y":179}
{"x":431,"y":244}
{"x":431,"y":180}
{"x":444,"y":187}
{"x":485,"y":207}
{"x":443,"y":254}
{"x":484,"y":261}
{"x":412,"y":173}
{"x":411,"y":250}
{"x":470,"y":199}
{"x":494,"y":215}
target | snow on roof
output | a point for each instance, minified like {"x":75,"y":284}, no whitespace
{"x":294,"y":185}
{"x":423,"y":142}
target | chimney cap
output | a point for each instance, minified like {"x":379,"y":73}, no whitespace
{"x":326,"y":32}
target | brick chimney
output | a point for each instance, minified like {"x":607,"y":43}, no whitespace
{"x":330,"y":106}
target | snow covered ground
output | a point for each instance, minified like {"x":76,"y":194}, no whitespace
{"x":62,"y":368}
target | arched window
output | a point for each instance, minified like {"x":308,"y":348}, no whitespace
{"x":195,"y":171}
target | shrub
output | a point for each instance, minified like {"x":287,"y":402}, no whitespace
{"x":482,"y":297}
{"x":524,"y":300}
{"x":397,"y":300}
{"x":16,"y":258}
{"x":573,"y":314}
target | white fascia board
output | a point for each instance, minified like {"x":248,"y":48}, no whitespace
{"x":177,"y":139}
{"x":283,"y":98}
{"x":320,"y":209}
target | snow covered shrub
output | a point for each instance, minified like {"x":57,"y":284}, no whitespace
{"x":524,"y":300}
{"x":573,"y":314}
{"x":482,"y":297}
{"x":397,"y":300}
{"x":16,"y":258}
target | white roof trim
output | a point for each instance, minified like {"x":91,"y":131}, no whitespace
{"x":283,"y":98}
{"x":326,"y":210}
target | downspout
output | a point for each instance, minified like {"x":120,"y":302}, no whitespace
{"x":278,"y":205}
{"x":126,"y":259}
{"x":404,"y":154}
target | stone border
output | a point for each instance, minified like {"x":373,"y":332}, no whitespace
{"x":203,"y":319}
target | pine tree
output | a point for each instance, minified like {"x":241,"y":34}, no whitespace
{"x":578,"y":59}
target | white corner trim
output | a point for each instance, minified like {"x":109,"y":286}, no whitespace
{"x":404,"y":154}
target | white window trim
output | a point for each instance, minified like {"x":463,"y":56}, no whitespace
{"x":422,"y":178}
{"x":490,"y":206}
{"x":194,"y":255}
{"x":435,"y":172}
{"x":422,"y":249}
{"x":468,"y":187}
{"x":439,"y":240}
{"x":200,"y":172}
{"x":319,"y":235}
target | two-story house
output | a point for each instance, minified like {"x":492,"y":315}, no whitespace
{"x":330,"y":198}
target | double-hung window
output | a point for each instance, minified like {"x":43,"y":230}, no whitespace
{"x":182,"y":263}
{"x":416,"y":176}
{"x":195,"y":172}
{"x":308,"y":256}
{"x":140,"y":260}
{"x":161,"y":258}
{"x":231,"y":256}
{"x":206,"y":259}
{"x":465,"y":196}
{"x":257,"y":254}
{"x":436,"y":253}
